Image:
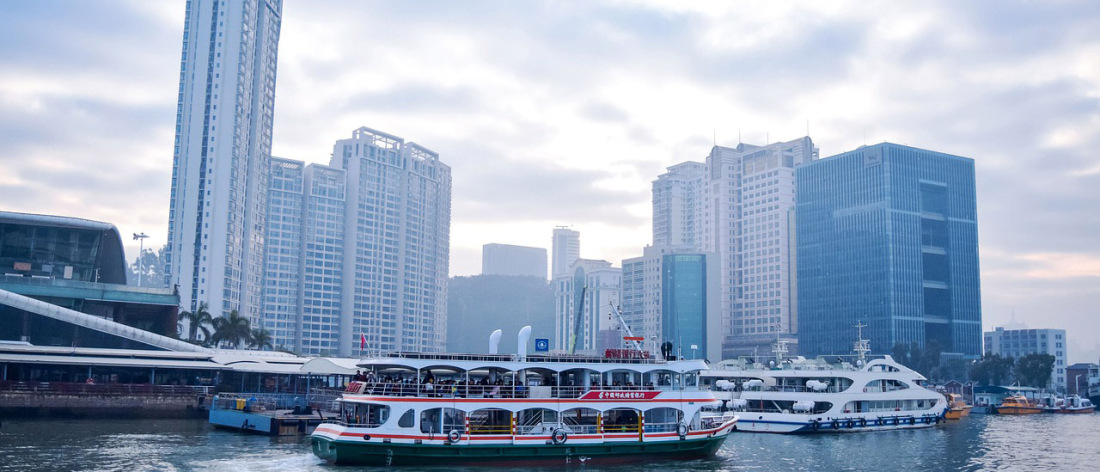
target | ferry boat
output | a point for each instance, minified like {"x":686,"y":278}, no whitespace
{"x":509,"y":410}
{"x":799,"y":395}
{"x":956,"y":407}
{"x":1017,"y":405}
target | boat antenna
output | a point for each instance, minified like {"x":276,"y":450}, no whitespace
{"x":862,"y":346}
{"x":780,"y":347}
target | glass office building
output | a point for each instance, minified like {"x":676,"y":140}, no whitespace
{"x":887,"y":235}
{"x":684,"y":303}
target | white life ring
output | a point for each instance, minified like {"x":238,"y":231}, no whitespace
{"x":682,"y":430}
{"x":454,"y":435}
{"x":559,"y":437}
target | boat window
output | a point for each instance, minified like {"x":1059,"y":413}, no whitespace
{"x":580,"y":420}
{"x":491,"y":421}
{"x":536,"y":421}
{"x":369,"y":415}
{"x":408,"y":419}
{"x":662,"y":420}
{"x":884,"y":385}
{"x":621,"y":420}
{"x":442,"y":420}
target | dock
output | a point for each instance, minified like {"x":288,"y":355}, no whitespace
{"x":269,"y":414}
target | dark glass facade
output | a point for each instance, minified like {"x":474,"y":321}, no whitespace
{"x":887,"y":235}
{"x":684,"y":303}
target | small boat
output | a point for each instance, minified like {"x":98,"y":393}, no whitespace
{"x":956,"y":407}
{"x":1074,"y":404}
{"x":521,"y":410}
{"x":1017,"y":405}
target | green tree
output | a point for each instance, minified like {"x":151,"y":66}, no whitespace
{"x":233,"y":329}
{"x":992,"y":369}
{"x":1033,"y":370}
{"x":900,"y":353}
{"x":260,"y":338}
{"x":198,"y":320}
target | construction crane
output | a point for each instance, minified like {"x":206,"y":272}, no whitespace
{"x":629,"y":333}
{"x":577,"y":322}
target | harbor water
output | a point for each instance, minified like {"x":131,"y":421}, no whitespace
{"x":979,"y":442}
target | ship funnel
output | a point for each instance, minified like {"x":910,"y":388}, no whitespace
{"x":494,"y":341}
{"x":521,"y":340}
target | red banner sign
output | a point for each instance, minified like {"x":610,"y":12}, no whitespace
{"x":617,"y":395}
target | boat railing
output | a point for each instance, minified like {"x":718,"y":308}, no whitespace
{"x":533,"y":358}
{"x":256,"y":402}
{"x":458,"y":390}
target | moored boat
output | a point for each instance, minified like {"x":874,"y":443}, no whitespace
{"x":1017,"y":405}
{"x":1074,"y":404}
{"x":799,"y":395}
{"x":956,"y":407}
{"x":448,"y":409}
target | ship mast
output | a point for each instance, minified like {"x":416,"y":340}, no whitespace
{"x":862,"y":346}
{"x":779,"y":348}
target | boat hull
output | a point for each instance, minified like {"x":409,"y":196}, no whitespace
{"x":1075,"y":411}
{"x":782,"y":424}
{"x":1017,"y":410}
{"x":401,"y":454}
{"x":957,"y":413}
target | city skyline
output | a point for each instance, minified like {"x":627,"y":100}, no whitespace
{"x":564,"y":114}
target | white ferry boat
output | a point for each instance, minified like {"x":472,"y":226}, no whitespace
{"x":447,"y":409}
{"x":799,"y":395}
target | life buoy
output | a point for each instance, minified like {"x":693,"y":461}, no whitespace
{"x":836,"y":424}
{"x":559,"y":436}
{"x":454,"y":435}
{"x":863,"y":422}
{"x":850,"y":424}
{"x":682,"y":430}
{"x":815,"y":424}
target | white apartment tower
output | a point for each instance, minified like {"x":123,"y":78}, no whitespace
{"x":217,"y":215}
{"x":396,"y":244}
{"x":565,"y":250}
{"x":678,"y":204}
{"x":359,"y":249}
{"x":1017,"y":343}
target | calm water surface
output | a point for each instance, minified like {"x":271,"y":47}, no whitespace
{"x":980,"y":442}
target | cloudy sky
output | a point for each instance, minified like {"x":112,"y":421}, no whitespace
{"x":562,"y":113}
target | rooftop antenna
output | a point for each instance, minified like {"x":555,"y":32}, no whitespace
{"x":807,"y":126}
{"x":715,"y":131}
{"x":739,"y":136}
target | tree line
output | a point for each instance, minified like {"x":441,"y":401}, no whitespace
{"x":1031,"y":370}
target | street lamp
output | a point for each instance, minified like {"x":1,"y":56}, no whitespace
{"x":140,"y":238}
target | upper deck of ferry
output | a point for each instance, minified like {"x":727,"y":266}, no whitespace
{"x":525,"y":376}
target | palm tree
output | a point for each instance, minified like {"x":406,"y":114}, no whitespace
{"x":260,"y":338}
{"x":233,"y":329}
{"x":197,"y":321}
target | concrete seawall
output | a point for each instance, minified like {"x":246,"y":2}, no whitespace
{"x":98,"y":404}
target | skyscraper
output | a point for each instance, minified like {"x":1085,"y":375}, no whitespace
{"x":588,"y":292}
{"x":359,"y":248}
{"x":678,"y":203}
{"x":565,"y":250}
{"x":887,"y":235}
{"x":507,"y":259}
{"x":396,"y":244}
{"x":217,"y":218}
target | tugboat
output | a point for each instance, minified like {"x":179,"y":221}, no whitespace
{"x":1017,"y":405}
{"x":799,"y":395}
{"x":956,"y":407}
{"x":515,"y":410}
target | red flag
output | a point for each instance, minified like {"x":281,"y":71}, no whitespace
{"x":362,"y":341}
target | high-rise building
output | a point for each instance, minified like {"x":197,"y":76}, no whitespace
{"x":359,"y":249}
{"x":739,"y":207}
{"x":217,"y":218}
{"x":566,"y":249}
{"x":506,"y":259}
{"x":678,"y":203}
{"x":671,"y":295}
{"x":887,"y":235}
{"x":589,"y":292}
{"x":396,"y":244}
{"x":305,"y":244}
{"x":1017,"y":343}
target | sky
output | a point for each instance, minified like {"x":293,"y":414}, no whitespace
{"x":563,"y":113}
